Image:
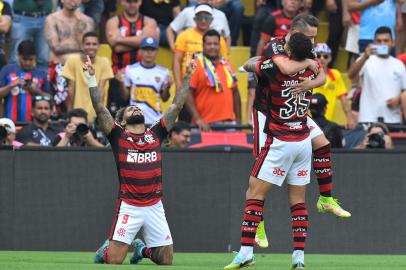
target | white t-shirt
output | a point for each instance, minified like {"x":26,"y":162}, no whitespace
{"x":382,"y":79}
{"x":146,"y":86}
{"x":185,"y":20}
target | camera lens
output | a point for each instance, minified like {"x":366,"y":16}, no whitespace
{"x":82,"y":130}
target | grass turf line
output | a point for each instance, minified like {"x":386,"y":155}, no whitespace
{"x":30,"y":260}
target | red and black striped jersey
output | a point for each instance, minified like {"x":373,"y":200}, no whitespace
{"x":127,"y":29}
{"x":274,"y":48}
{"x":286,"y":114}
{"x":278,"y":24}
{"x":139,"y":163}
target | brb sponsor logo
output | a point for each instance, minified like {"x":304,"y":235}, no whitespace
{"x":135,"y":157}
{"x":303,"y":173}
{"x":278,"y":172}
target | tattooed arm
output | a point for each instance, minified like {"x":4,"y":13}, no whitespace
{"x":250,"y":65}
{"x":180,"y":98}
{"x":105,"y":119}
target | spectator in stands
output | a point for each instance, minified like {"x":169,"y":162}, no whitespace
{"x":10,"y":128}
{"x":179,"y":135}
{"x":234,"y":11}
{"x":374,"y":14}
{"x":145,"y":83}
{"x":77,"y":131}
{"x":214,"y":96}
{"x":377,"y":137}
{"x":337,"y":13}
{"x":28,"y":24}
{"x":39,"y":131}
{"x":278,"y":23}
{"x":351,"y":44}
{"x":19,"y":82}
{"x":189,"y":42}
{"x":64,"y":30}
{"x":401,"y":32}
{"x":334,"y":88}
{"x":124,"y":34}
{"x":78,"y":95}
{"x":93,"y":9}
{"x":163,"y":11}
{"x":186,"y":20}
{"x":332,"y":131}
{"x":5,"y":23}
{"x":383,"y":81}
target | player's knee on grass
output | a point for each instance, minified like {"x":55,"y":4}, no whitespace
{"x":117,"y":252}
{"x":162,"y":255}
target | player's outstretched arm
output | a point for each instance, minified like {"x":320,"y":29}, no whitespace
{"x":180,"y":97}
{"x":104,"y":117}
{"x":249,"y":66}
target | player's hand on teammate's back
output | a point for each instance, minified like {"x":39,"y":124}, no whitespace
{"x":88,"y":66}
{"x":313,"y":66}
{"x":302,"y":87}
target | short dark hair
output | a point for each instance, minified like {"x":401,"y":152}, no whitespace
{"x":90,"y":34}
{"x":211,"y":33}
{"x":36,"y":99}
{"x":300,"y":46}
{"x":26,"y":48}
{"x":380,"y":125}
{"x":302,"y":21}
{"x":79,"y":112}
{"x":178,"y":127}
{"x":383,"y":30}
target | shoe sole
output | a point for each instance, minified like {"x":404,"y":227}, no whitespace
{"x":246,"y":264}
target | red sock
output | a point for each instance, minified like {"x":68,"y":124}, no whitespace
{"x":105,"y":254}
{"x":300,"y":224}
{"x":322,"y":169}
{"x":252,"y":217}
{"x":146,"y":252}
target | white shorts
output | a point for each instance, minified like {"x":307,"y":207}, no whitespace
{"x":351,"y":44}
{"x":258,"y":122}
{"x":280,"y":160}
{"x":130,"y":219}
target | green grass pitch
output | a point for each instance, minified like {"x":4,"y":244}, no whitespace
{"x":30,"y":260}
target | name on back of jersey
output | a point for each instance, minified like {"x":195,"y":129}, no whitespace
{"x":290,"y":83}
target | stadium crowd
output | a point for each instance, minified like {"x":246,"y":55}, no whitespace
{"x":44,"y":98}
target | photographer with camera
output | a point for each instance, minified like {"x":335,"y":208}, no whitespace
{"x":377,"y":137}
{"x":383,"y":81}
{"x":20,"y":82}
{"x":8,"y":133}
{"x":77,"y":131}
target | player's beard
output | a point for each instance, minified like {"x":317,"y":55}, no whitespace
{"x":135,"y":119}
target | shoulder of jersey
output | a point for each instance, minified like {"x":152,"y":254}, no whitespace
{"x":276,"y":12}
{"x":161,"y":68}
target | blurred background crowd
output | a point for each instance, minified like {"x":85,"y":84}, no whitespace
{"x":139,"y":49}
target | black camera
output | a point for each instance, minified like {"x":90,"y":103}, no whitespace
{"x":376,"y":140}
{"x":3,"y":134}
{"x":82,"y":130}
{"x":27,"y":83}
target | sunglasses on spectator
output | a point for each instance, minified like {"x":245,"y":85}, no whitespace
{"x":205,"y":17}
{"x":132,"y":1}
{"x":47,"y":98}
{"x":323,"y":56}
